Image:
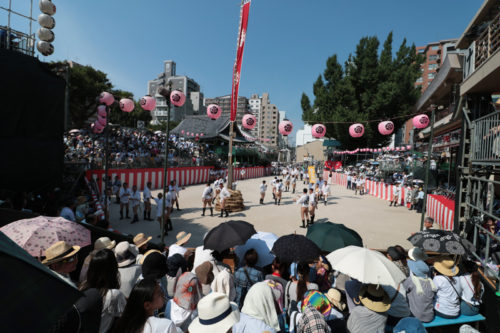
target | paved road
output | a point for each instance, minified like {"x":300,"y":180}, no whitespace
{"x":378,"y":224}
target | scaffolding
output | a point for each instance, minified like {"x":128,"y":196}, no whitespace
{"x":11,"y":39}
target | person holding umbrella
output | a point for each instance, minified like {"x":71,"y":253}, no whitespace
{"x":303,"y":201}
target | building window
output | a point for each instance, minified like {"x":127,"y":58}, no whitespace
{"x":433,"y":67}
{"x":433,"y":57}
{"x":431,"y":76}
{"x":419,"y":80}
{"x":434,"y":48}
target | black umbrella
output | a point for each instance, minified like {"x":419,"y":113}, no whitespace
{"x":293,"y":247}
{"x":34,"y":297}
{"x":228,"y":234}
{"x":440,"y":241}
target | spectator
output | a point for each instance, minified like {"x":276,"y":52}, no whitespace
{"x":129,"y":271}
{"x":447,"y":302}
{"x":295,"y":290}
{"x":182,"y":308}
{"x":205,"y":275}
{"x":420,"y":291}
{"x":472,"y":289}
{"x":62,"y":258}
{"x":215,"y":314}
{"x":246,"y":276}
{"x":371,"y":316}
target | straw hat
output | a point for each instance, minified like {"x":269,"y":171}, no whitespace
{"x":374,"y":298}
{"x":125,"y":254}
{"x":417,"y":254}
{"x":104,"y":243}
{"x":141,"y":261}
{"x":335,"y":297}
{"x":58,"y":252}
{"x":446,"y":266}
{"x":204,"y":272}
{"x":140,"y":239}
{"x":215,"y":314}
{"x":182,"y":238}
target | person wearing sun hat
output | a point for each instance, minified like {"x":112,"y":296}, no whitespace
{"x":61,"y":258}
{"x":215,"y":314}
{"x":420,"y":291}
{"x":417,"y":254}
{"x":126,"y":255}
{"x":99,"y":244}
{"x":178,"y":247}
{"x":447,"y":301}
{"x":205,"y":275}
{"x":141,"y":243}
{"x":372,"y":315}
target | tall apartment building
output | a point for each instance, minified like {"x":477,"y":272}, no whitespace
{"x":434,"y":54}
{"x":194,"y":98}
{"x":225,"y":103}
{"x":269,"y":120}
{"x":255,"y":105}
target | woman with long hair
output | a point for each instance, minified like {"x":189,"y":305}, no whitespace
{"x":144,"y":300}
{"x":103,"y":275}
{"x":472,"y":289}
{"x":447,"y":301}
{"x":295,"y":290}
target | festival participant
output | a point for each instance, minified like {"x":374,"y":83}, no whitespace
{"x":278,"y":189}
{"x":242,"y":173}
{"x":206,"y":199}
{"x":174,"y":189}
{"x":273,"y":186}
{"x":449,"y":289}
{"x":224,"y":195}
{"x":397,"y":193}
{"x":287,"y":182}
{"x":124,"y":194}
{"x":420,"y":200}
{"x":217,"y":188}
{"x":349,"y":180}
{"x":61,"y":258}
{"x":303,"y":201}
{"x":312,"y":204}
{"x":135,"y":199}
{"x":294,"y":183}
{"x":103,"y":275}
{"x":169,"y":203}
{"x":325,"y":190}
{"x":138,"y":316}
{"x":117,"y":184}
{"x":146,"y":197}
{"x":263,"y":189}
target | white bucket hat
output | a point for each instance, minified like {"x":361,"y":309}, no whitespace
{"x":125,"y":254}
{"x":215,"y":314}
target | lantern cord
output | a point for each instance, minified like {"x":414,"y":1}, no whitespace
{"x":363,"y":121}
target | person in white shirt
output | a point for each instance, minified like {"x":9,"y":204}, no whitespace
{"x":397,"y":193}
{"x":312,"y":204}
{"x":449,"y":290}
{"x":217,"y":183}
{"x":146,"y":197}
{"x":263,"y":189}
{"x":325,"y":190}
{"x":287,"y":182}
{"x":303,"y":201}
{"x":124,"y":199}
{"x":242,"y":173}
{"x":135,"y":200}
{"x":472,"y":289}
{"x":294,"y":183}
{"x":273,"y":186}
{"x":169,"y":205}
{"x":174,"y":189}
{"x":278,"y":190}
{"x":224,"y":195}
{"x":206,"y":199}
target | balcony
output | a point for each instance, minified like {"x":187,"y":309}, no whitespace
{"x":488,"y":42}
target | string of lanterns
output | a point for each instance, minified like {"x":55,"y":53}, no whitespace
{"x":373,"y":150}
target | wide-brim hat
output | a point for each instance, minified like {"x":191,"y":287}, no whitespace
{"x":446,"y":266}
{"x":417,"y":254}
{"x":125,"y":254}
{"x":335,"y":297}
{"x":374,"y":298}
{"x":204,"y":272}
{"x":182,"y":237}
{"x":215,"y":314}
{"x":58,"y":252}
{"x":141,"y":239}
{"x":419,"y":268}
{"x":104,"y":243}
{"x":141,"y":261}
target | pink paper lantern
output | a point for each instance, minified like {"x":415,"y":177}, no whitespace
{"x":106,"y":98}
{"x":318,"y":131}
{"x":201,"y":134}
{"x":177,"y":98}
{"x":386,"y":127}
{"x":408,"y":147}
{"x":214,"y":111}
{"x":101,"y":120}
{"x":356,"y":130}
{"x":148,"y":103}
{"x":126,"y":105}
{"x":249,"y":121}
{"x":285,"y":127}
{"x":192,"y":134}
{"x":101,"y":111}
{"x":197,"y":134}
{"x":421,"y":121}
{"x":182,"y":131}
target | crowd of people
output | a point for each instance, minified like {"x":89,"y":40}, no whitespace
{"x":132,"y":287}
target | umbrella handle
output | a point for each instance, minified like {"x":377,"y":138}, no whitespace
{"x":40,"y":257}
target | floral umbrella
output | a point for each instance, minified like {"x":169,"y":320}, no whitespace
{"x":35,"y":235}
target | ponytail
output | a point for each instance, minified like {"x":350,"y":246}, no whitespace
{"x":303,"y":271}
{"x":476,"y":283}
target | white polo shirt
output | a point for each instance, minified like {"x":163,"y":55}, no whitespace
{"x":125,"y":194}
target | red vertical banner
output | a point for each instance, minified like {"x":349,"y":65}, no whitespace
{"x":245,"y":9}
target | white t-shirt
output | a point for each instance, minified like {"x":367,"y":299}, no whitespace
{"x":278,"y":187}
{"x":159,"y":325}
{"x":169,"y":196}
{"x":312,"y":199}
{"x":146,"y":194}
{"x":447,"y":300}
{"x":263,"y":188}
{"x":135,"y":198}
{"x":124,"y":194}
{"x":468,"y":290}
{"x":325,"y":189}
{"x":304,"y":200}
{"x":224,"y":194}
{"x":113,"y":305}
{"x":207,"y":193}
{"x":159,"y":205}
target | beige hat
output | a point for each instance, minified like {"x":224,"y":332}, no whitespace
{"x":182,"y":238}
{"x":446,"y":266}
{"x":140,"y":239}
{"x":374,"y":298}
{"x":204,"y":273}
{"x":146,"y":254}
{"x":215,"y":314}
{"x":125,"y":254}
{"x":335,"y":297}
{"x":104,"y":243}
{"x":417,"y":254}
{"x":58,"y":252}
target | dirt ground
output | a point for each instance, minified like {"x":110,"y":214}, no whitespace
{"x":378,"y":224}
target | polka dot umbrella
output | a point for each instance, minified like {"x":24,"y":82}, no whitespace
{"x":37,"y":234}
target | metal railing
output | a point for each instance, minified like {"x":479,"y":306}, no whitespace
{"x":486,"y":140}
{"x":488,"y":42}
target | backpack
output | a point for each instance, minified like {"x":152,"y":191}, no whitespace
{"x":244,"y":291}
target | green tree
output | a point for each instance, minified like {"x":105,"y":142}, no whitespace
{"x":127,"y":119}
{"x":370,"y":86}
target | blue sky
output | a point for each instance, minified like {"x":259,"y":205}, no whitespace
{"x":287,"y":42}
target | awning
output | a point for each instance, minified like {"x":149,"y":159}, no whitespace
{"x":226,"y":137}
{"x":331,"y":143}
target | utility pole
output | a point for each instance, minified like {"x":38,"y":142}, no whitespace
{"x":426,"y":184}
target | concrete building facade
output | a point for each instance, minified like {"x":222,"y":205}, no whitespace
{"x":255,"y":104}
{"x":225,"y":104}
{"x":304,"y":136}
{"x":194,"y":98}
{"x":312,"y":151}
{"x":269,"y":122}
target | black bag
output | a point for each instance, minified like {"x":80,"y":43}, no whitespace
{"x":245,"y":290}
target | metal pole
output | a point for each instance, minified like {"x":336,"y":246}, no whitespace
{"x":426,"y":184}
{"x":106,"y":159}
{"x":230,"y":157}
{"x":165,"y":166}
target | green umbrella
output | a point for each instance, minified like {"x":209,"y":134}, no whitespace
{"x":33,"y":297}
{"x":333,"y":236}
